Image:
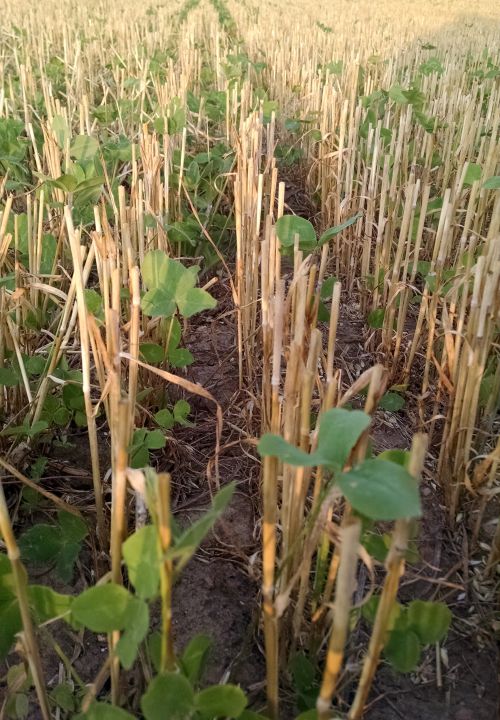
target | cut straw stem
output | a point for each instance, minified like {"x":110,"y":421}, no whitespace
{"x":346,"y":579}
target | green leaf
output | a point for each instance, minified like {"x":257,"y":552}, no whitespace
{"x":102,"y":608}
{"x":61,"y":130}
{"x":486,"y":389}
{"x":139,"y":456}
{"x":292,"y":125}
{"x":9,"y":377}
{"x":391,"y":401}
{"x":165,"y":419}
{"x":80,"y":418}
{"x":49,"y":248}
{"x":430,"y":620}
{"x":276,"y":446}
{"x":331,"y":232}
{"x":397,"y":94}
{"x":180,"y":357}
{"x":171,"y":284}
{"x":323,"y":312}
{"x":403,"y":650}
{"x":191,"y":300}
{"x":430,"y":66}
{"x":17,"y":706}
{"x":226,"y":701}
{"x":158,"y":302}
{"x":492,"y":183}
{"x":170,"y":694}
{"x":303,"y":672}
{"x":472,"y":174}
{"x":152,"y":352}
{"x":327,"y":288}
{"x":288,"y":226}
{"x":339,"y":431}
{"x":10,"y":617}
{"x":62,"y":695}
{"x":35,"y":364}
{"x":186,"y":545}
{"x":174,"y":333}
{"x":73,"y":527}
{"x":400,"y":457}
{"x":38,"y":467}
{"x":65,"y":182}
{"x":381,"y":490}
{"x":159,"y":270}
{"x":25,"y":429}
{"x":40,"y":543}
{"x":194,"y":657}
{"x":135,"y":632}
{"x":155,"y":440}
{"x":375,"y":318}
{"x":66,"y":558}
{"x":192,"y":175}
{"x":139,"y":437}
{"x":103,"y":711}
{"x":84,"y":148}
{"x":93,"y":301}
{"x":181,"y":410}
{"x":153,"y":646}
{"x":8,"y":281}
{"x":370,"y":608}
{"x":377,"y":545}
{"x":73,"y":396}
{"x":48,"y":604}
{"x":140,"y":553}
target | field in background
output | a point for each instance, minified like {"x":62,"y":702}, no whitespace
{"x":249,"y":359}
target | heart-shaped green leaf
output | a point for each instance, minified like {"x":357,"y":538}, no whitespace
{"x":168,"y":694}
{"x":84,"y":148}
{"x":492,"y":183}
{"x":103,"y":711}
{"x":381,"y":490}
{"x":403,"y":650}
{"x":276,"y":446}
{"x":288,"y":226}
{"x":140,"y":553}
{"x":135,"y":632}
{"x":339,"y":431}
{"x":158,"y":302}
{"x":48,"y":604}
{"x":220,"y":701}
{"x":102,"y":608}
{"x":194,"y":657}
{"x":430,"y":620}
